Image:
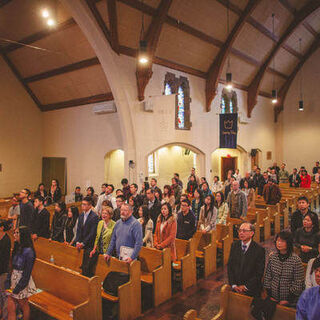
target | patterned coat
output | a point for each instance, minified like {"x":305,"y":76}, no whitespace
{"x":284,"y":280}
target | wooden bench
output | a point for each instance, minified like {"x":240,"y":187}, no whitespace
{"x":206,"y":250}
{"x":224,"y":239}
{"x":156,"y":271}
{"x":65,"y":295}
{"x":185,"y":265}
{"x":129,"y":294}
{"x":273,"y":212}
{"x":260,"y":219}
{"x":70,"y":258}
{"x":234,"y":306}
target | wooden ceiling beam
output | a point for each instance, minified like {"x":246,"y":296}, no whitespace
{"x":39,"y":35}
{"x":78,"y":102}
{"x":20,"y":79}
{"x":94,"y":10}
{"x":194,"y":32}
{"x":287,"y":5}
{"x":261,"y":28}
{"x":113,"y":20}
{"x":216,"y":67}
{"x":254,"y":86}
{"x":144,"y":71}
{"x":175,"y":66}
{"x":285,"y":88}
{"x":68,"y":68}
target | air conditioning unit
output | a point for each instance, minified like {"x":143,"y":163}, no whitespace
{"x":148,"y":105}
{"x":104,"y":107}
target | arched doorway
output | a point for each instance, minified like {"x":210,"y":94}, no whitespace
{"x":223,"y":160}
{"x":164,"y":161}
{"x":114,"y":167}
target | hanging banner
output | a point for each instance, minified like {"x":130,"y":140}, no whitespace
{"x":228,"y":130}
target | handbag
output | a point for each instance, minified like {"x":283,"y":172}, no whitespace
{"x":113,"y":281}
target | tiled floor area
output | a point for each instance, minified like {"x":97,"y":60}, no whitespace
{"x":204,"y":297}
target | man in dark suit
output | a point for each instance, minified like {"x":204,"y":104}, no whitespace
{"x":154,"y":206}
{"x":86,"y":235}
{"x":294,"y":179}
{"x":258,"y":180}
{"x":246,"y":263}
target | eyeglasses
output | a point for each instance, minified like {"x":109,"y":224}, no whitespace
{"x":16,"y":232}
{"x":244,"y":230}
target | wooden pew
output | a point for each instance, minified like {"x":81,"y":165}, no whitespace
{"x":260,"y":219}
{"x":273,"y":211}
{"x":156,"y":271}
{"x":234,"y":306}
{"x":65,"y":295}
{"x":69,"y":257}
{"x":206,"y":250}
{"x":185,"y":265}
{"x":224,"y":239}
{"x":129,"y":294}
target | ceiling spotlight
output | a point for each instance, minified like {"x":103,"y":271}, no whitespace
{"x":274,"y":97}
{"x":51,"y":22}
{"x":45,"y":13}
{"x":229,"y":80}
{"x":301,"y":105}
{"x":143,"y":56}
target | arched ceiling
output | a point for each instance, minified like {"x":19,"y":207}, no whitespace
{"x":186,"y":35}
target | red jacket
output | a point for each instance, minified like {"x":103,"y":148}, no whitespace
{"x":166,"y":238}
{"x":305,"y":181}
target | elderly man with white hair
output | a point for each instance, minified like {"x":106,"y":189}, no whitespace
{"x":237,"y":202}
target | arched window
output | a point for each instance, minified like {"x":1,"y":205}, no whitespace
{"x":229,"y":103}
{"x":179,"y":87}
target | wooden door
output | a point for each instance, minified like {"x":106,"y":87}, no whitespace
{"x":227,"y":163}
{"x":54,"y":168}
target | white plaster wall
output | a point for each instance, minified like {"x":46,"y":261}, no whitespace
{"x":84,"y":139}
{"x":20,"y":136}
{"x":153,"y":130}
{"x":302,"y":129}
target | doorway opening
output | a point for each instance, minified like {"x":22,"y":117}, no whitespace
{"x":114,"y":167}
{"x":228,"y":163}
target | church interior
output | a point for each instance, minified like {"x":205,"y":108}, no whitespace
{"x":95,"y":91}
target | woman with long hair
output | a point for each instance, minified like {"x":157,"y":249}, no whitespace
{"x":306,"y":240}
{"x":20,"y":285}
{"x":310,"y":275}
{"x":305,"y":179}
{"x":94,"y":196}
{"x":58,"y":221}
{"x":54,"y":194}
{"x":284,"y":277}
{"x":197,"y":202}
{"x":208,"y":215}
{"x":168,"y":196}
{"x":192,"y":186}
{"x":70,"y":228}
{"x":223,"y":209}
{"x":41,"y":191}
{"x":147,"y":226}
{"x":135,"y":207}
{"x":250,"y":194}
{"x":166,"y":231}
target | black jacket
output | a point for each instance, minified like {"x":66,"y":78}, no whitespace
{"x":297,"y":218}
{"x":86,"y":233}
{"x":154,"y":211}
{"x":41,"y":225}
{"x":57,"y":226}
{"x":250,"y":182}
{"x":247,"y":269}
{"x":5,"y":246}
{"x":27,"y":215}
{"x":298,"y":181}
{"x":186,"y":225}
{"x":259,"y":182}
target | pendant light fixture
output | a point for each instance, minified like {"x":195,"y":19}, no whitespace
{"x":228,"y":73}
{"x":274,"y":92}
{"x":143,"y":45}
{"x":301,"y":91}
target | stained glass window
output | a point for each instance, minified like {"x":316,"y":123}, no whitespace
{"x":231,"y":106}
{"x":151,"y":164}
{"x":223,"y":105}
{"x":180,"y":108}
{"x":167,"y":89}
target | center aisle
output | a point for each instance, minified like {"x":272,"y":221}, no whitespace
{"x":203,"y":297}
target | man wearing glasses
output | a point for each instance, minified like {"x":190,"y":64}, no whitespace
{"x":246,"y":263}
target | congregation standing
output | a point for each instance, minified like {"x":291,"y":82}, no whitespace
{"x":130,"y":219}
